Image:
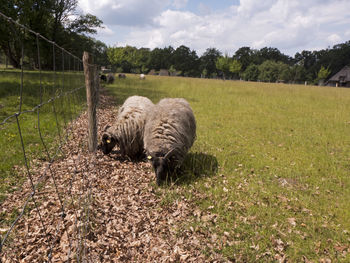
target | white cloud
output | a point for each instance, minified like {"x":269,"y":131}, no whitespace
{"x":291,"y":26}
{"x":124,"y":12}
{"x":334,"y":39}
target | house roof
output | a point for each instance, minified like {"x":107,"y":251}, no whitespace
{"x":342,"y":75}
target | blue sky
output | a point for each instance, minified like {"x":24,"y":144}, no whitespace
{"x":289,"y":25}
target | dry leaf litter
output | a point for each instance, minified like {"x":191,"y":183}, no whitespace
{"x":112,"y":212}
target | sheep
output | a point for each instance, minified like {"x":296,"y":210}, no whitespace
{"x":103,"y":78}
{"x":110,"y":78}
{"x":170,"y":131}
{"x":142,"y":76}
{"x":121,"y":76}
{"x":128,"y":130}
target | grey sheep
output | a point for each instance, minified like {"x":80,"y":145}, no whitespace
{"x":128,"y":130}
{"x":169,"y":133}
{"x":110,"y":78}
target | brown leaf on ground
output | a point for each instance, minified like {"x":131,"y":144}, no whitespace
{"x":111,"y":210}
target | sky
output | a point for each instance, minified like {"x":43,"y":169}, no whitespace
{"x":289,"y":25}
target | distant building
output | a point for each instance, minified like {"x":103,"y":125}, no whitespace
{"x":152,"y":72}
{"x":340,"y":79}
{"x":163,"y":72}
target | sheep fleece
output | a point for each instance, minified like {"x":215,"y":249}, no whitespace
{"x":130,"y":125}
{"x":170,"y":127}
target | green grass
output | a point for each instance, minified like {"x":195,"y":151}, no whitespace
{"x":282,"y":187}
{"x":66,"y":107}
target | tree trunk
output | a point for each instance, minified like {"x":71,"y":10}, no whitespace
{"x":10,"y":56}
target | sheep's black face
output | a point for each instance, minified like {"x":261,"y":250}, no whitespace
{"x":108,"y":143}
{"x":161,"y":168}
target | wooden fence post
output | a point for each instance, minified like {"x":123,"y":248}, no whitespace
{"x":92,"y":87}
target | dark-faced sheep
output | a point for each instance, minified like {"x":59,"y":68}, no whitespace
{"x":103,"y":78}
{"x":128,"y":130}
{"x":169,"y":133}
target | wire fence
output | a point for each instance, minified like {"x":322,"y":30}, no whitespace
{"x":37,"y":108}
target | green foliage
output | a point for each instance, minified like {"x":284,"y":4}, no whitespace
{"x":172,"y":69}
{"x":271,"y":71}
{"x":235,"y":67}
{"x":323,"y":73}
{"x":66,"y":107}
{"x":208,"y":61}
{"x":298,"y":73}
{"x":251,"y":73}
{"x":51,"y":19}
{"x":223,"y":64}
{"x":186,"y":61}
{"x":85,"y":24}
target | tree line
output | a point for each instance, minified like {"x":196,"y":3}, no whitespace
{"x":59,"y":21}
{"x":266,"y":64}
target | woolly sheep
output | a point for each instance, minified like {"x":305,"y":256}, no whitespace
{"x":110,"y":78}
{"x":142,"y":76}
{"x":170,"y":131}
{"x":128,"y":130}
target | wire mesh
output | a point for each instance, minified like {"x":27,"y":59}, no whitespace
{"x":37,"y":108}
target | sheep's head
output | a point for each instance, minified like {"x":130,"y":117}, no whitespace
{"x":108,"y":141}
{"x":162,"y":165}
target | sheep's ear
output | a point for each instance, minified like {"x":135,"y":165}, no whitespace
{"x":106,"y":127}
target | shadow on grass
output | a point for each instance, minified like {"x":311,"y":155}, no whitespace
{"x":195,"y":166}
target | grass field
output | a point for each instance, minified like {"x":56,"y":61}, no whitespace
{"x":282,"y":188}
{"x":66,"y":107}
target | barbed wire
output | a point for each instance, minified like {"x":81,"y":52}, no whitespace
{"x":84,"y":198}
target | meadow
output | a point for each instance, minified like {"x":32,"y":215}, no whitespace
{"x":51,"y":118}
{"x":275,"y":176}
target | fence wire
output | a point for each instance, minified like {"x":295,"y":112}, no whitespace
{"x":60,"y":93}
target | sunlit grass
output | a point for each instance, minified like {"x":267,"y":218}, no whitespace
{"x":282,"y":187}
{"x":66,"y":108}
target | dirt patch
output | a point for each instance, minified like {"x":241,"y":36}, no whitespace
{"x":105,"y":209}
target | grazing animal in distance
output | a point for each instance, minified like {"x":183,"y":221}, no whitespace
{"x":110,"y":78}
{"x":127,"y":132}
{"x":103,"y":77}
{"x":170,"y":132}
{"x":121,"y":76}
{"x":142,"y":76}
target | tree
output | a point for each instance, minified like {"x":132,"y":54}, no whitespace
{"x":269,"y":71}
{"x":322,"y":75}
{"x":223,"y":64}
{"x":207,"y":61}
{"x":235,"y":67}
{"x":161,"y":58}
{"x":186,"y":61}
{"x":251,"y":73}
{"x":273,"y":54}
{"x":50,"y":18}
{"x":85,"y":24}
{"x":245,"y":55}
